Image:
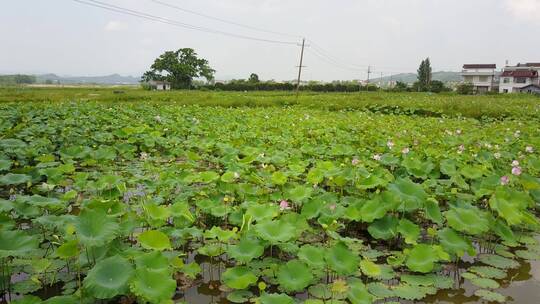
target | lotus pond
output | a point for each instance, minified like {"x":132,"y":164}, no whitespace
{"x":164,"y":202}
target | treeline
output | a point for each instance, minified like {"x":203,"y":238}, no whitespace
{"x":247,"y":85}
{"x":17,"y":79}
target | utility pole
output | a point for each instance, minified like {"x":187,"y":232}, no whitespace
{"x":368,"y":73}
{"x":381,"y":80}
{"x":300,"y":68}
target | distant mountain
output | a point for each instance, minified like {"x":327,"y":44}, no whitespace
{"x":109,"y":79}
{"x":411,"y":77}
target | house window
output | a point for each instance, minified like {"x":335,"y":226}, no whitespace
{"x":483,"y":78}
{"x":505,"y":91}
{"x":506,"y":80}
{"x":521,"y":80}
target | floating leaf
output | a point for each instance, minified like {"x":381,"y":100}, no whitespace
{"x":358,"y":292}
{"x":239,"y":296}
{"x":488,"y":272}
{"x":108,"y":278}
{"x":490,"y":296}
{"x":485,"y":283}
{"x":498,"y":261}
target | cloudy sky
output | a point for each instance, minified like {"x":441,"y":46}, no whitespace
{"x":345,"y":36}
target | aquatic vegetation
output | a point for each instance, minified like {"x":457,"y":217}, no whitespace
{"x":104,"y":201}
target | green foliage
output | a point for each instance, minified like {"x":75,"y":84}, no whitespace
{"x":179,"y":68}
{"x":364,"y":187}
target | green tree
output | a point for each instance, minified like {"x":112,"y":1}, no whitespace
{"x":254,"y":78}
{"x":424,"y":75}
{"x":179,"y":68}
{"x":465,"y":89}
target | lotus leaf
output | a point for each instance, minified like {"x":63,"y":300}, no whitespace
{"x":109,"y":277}
{"x":341,"y":259}
{"x":471,"y":220}
{"x":276,"y":231}
{"x":261,"y":212}
{"x":16,"y":243}
{"x":422,"y":258}
{"x":312,"y":255}
{"x":14,"y":179}
{"x":411,"y":195}
{"x":294,"y":276}
{"x":369,"y":268}
{"x":95,"y":227}
{"x":490,"y":296}
{"x":154,"y":260}
{"x":239,"y":277}
{"x":409,"y":230}
{"x":239,"y":296}
{"x":154,"y":240}
{"x":380,"y":290}
{"x":153,"y":286}
{"x":358,"y":293}
{"x":498,"y":261}
{"x":488,"y":272}
{"x":274,"y":298}
{"x":454,"y":243}
{"x":246,"y":250}
{"x":385,"y":228}
{"x":485,"y":283}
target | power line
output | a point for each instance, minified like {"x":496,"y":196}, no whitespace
{"x":143,"y":15}
{"x":223,"y":20}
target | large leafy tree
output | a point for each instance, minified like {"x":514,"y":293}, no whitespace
{"x":424,"y":75}
{"x":179,"y":68}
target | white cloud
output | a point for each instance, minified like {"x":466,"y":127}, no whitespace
{"x":115,"y":26}
{"x":524,"y":9}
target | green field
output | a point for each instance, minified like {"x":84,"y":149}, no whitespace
{"x":130,"y":196}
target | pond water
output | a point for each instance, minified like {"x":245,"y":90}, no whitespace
{"x":522,"y":285}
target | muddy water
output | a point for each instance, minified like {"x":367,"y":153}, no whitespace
{"x":522,"y":285}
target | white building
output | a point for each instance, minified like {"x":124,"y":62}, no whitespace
{"x":483,"y":77}
{"x":159,"y":85}
{"x":514,"y":78}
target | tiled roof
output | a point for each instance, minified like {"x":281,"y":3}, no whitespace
{"x":518,"y":73}
{"x":479,"y":66}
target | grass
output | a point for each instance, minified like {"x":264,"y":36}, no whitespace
{"x":489,"y":106}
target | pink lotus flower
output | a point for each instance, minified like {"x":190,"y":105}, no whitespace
{"x":505,"y":180}
{"x":377,"y":157}
{"x":405,"y":150}
{"x":529,"y":149}
{"x":355,"y":161}
{"x":332,"y":207}
{"x":515,"y":163}
{"x":516,"y":171}
{"x":390,"y":144}
{"x":284,"y":205}
{"x":461,"y":148}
